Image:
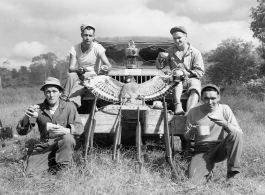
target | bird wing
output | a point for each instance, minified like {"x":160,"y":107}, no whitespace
{"x":104,"y":87}
{"x":156,"y":88}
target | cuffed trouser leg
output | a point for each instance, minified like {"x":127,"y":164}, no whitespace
{"x":72,"y":89}
{"x":203,"y":163}
{"x":65,"y":149}
{"x":71,"y":82}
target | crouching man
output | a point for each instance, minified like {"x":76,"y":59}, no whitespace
{"x":58,"y":122}
{"x":217,"y":136}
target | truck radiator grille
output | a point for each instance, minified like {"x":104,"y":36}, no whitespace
{"x":139,"y":79}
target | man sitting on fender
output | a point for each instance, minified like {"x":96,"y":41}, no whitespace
{"x":86,"y":59}
{"x":183,"y":56}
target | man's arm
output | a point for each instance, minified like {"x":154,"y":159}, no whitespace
{"x":72,"y":64}
{"x":24,"y":126}
{"x":230,"y":123}
{"x":160,"y":60}
{"x":105,"y":61}
{"x":190,"y":128}
{"x":197,"y":68}
{"x":75,"y":124}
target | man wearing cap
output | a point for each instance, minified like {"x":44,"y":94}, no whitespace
{"x":217,"y":136}
{"x":86,"y":59}
{"x":183,"y":56}
{"x":57,"y":142}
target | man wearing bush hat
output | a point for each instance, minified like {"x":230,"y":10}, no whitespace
{"x":186,"y":58}
{"x":217,"y":136}
{"x":58,"y":121}
{"x":86,"y":59}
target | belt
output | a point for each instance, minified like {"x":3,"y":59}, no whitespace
{"x":204,"y":147}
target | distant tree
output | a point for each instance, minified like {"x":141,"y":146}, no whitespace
{"x":233,"y":61}
{"x":15,"y":73}
{"x":62,"y":67}
{"x":6,"y":77}
{"x":36,"y":74}
{"x":23,"y":73}
{"x":258,"y":23}
{"x":48,"y":60}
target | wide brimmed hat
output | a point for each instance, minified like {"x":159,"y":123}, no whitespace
{"x":178,"y":29}
{"x":212,"y":86}
{"x":51,"y":81}
{"x":84,"y":26}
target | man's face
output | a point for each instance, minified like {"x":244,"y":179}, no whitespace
{"x":88,"y":36}
{"x":210,"y":100}
{"x":52,"y":94}
{"x":179,"y":38}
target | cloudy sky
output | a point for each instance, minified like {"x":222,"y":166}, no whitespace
{"x":32,"y":27}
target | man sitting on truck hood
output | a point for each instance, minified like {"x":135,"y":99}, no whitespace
{"x":183,"y":56}
{"x":86,"y":59}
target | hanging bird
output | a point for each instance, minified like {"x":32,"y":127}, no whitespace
{"x":112,"y":90}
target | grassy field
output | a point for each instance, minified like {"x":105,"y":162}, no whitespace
{"x":100,"y":175}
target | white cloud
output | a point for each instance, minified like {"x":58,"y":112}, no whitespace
{"x":28,"y":50}
{"x":208,"y":36}
{"x":209,"y":6}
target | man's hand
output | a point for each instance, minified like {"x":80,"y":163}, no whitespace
{"x":193,"y":131}
{"x":104,"y":68}
{"x":60,"y":130}
{"x":218,"y":121}
{"x":88,"y":69}
{"x":30,"y":111}
{"x":163,"y":54}
{"x":81,"y":71}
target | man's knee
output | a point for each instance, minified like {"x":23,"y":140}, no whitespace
{"x":235,"y":136}
{"x":68,"y":140}
{"x":194,"y":86}
{"x":72,"y":75}
{"x":194,"y":92}
{"x":198,"y":172}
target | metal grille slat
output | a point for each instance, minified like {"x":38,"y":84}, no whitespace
{"x":139,"y":79}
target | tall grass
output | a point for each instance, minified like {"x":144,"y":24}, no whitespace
{"x":100,"y":175}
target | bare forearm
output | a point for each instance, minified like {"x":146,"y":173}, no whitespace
{"x":229,"y":127}
{"x":73,"y":69}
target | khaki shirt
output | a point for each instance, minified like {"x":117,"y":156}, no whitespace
{"x":65,"y":115}
{"x":192,"y":62}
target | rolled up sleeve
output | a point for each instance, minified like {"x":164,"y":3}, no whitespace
{"x":75,"y":123}
{"x":24,"y":127}
{"x":197,"y":65}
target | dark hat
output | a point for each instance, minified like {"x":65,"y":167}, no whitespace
{"x":51,"y":81}
{"x":84,"y":26}
{"x":212,"y":86}
{"x":178,"y":29}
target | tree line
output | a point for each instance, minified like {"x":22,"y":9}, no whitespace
{"x":234,"y":61}
{"x":41,"y":67}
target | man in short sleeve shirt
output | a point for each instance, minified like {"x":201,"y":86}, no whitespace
{"x":87,"y":57}
{"x":221,"y":138}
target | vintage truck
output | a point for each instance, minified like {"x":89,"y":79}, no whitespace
{"x":133,"y":56}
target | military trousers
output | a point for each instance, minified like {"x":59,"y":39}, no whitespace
{"x":46,"y":155}
{"x":202,"y":163}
